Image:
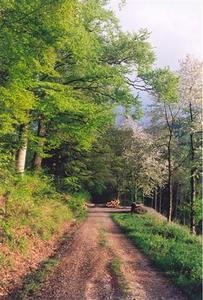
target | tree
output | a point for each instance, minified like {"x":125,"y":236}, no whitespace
{"x":28,"y":39}
{"x":165,"y":91}
{"x":191,"y":98}
{"x":164,"y":119}
{"x":55,"y":77}
{"x":144,"y":162}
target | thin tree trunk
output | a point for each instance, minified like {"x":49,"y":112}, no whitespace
{"x":176,"y":202}
{"x":192,"y":178}
{"x":41,"y":134}
{"x":136,"y":193}
{"x":170,"y":186}
{"x":192,"y":204}
{"x":183,"y":218}
{"x":21,"y":154}
{"x":160,"y":200}
{"x":155,"y":199}
{"x":152,"y":201}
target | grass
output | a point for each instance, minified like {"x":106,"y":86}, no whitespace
{"x":116,"y":270}
{"x":34,"y":211}
{"x":115,"y":265}
{"x":35,"y":208}
{"x":36,"y":280}
{"x":169,"y":246}
{"x":102,"y":237}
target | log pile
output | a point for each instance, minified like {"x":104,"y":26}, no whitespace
{"x":113,"y":203}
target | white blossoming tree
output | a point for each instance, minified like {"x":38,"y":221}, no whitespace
{"x":190,"y":89}
{"x":148,"y":170}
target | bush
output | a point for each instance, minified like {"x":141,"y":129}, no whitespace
{"x":170,"y":246}
{"x":77,"y":204}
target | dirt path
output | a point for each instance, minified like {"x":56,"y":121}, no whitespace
{"x":84,"y":273}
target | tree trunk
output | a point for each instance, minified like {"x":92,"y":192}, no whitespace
{"x":160,"y":200}
{"x":152,"y":201}
{"x":192,"y":174}
{"x":41,"y":134}
{"x":21,"y":154}
{"x":192,"y":204}
{"x":170,"y":186}
{"x":155,"y":199}
{"x":192,"y":178}
{"x":135,"y":193}
{"x":176,"y":202}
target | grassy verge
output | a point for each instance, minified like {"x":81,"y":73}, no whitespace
{"x":34,"y":208}
{"x":32,"y":215}
{"x":170,"y":246}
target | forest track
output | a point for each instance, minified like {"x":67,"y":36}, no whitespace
{"x":84,"y":271}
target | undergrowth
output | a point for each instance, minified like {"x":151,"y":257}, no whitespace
{"x":170,"y":246}
{"x":33,"y":209}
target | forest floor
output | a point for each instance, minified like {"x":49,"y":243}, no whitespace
{"x":100,"y":263}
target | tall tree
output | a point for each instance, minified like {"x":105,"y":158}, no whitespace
{"x":165,"y":91}
{"x":191,"y":98}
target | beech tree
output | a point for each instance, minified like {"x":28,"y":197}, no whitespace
{"x":57,"y":72}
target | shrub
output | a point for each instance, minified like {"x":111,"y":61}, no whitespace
{"x":77,"y":204}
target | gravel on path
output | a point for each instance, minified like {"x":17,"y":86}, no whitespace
{"x":84,"y":273}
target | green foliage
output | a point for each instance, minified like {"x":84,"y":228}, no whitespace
{"x":33,"y":212}
{"x":35,"y":208}
{"x":170,"y":246}
{"x":164,"y":83}
{"x":68,"y":63}
{"x":126,"y":162}
{"x":77,"y":204}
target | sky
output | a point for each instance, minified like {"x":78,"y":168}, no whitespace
{"x":176,"y":28}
